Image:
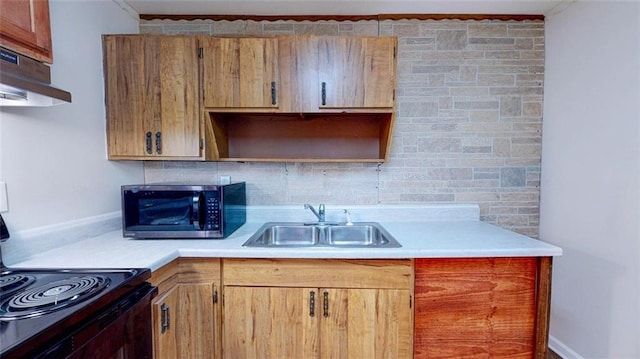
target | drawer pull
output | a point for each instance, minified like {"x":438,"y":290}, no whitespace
{"x":148,"y":142}
{"x":326,"y":304}
{"x":312,"y":304}
{"x":165,"y":318}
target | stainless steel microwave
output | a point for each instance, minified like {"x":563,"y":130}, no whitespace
{"x":178,"y":211}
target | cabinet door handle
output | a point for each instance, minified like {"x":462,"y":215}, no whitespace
{"x":165,"y":318}
{"x":148,"y":143}
{"x":324,"y":94}
{"x":312,"y":304}
{"x":325,"y":305}
{"x":159,"y":143}
{"x":273,"y":93}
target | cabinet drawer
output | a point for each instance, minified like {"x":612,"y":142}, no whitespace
{"x":370,"y":273}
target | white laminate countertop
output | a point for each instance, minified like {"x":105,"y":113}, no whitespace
{"x":424,"y":232}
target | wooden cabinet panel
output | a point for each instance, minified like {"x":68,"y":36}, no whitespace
{"x":352,"y":273}
{"x":249,"y":99}
{"x":165,"y":338}
{"x":197,"y":321}
{"x":189,"y":314}
{"x":298,"y":66}
{"x":278,"y":312}
{"x":262,"y":322}
{"x":188,"y":291}
{"x":366,"y":323}
{"x":356,"y":72}
{"x":240,"y":72}
{"x":25,"y":28}
{"x":335,"y":99}
{"x":475,"y":307}
{"x":153,"y":106}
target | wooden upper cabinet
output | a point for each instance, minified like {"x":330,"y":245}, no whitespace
{"x":299,"y":74}
{"x":26,"y":29}
{"x":356,"y":72}
{"x":240,"y":72}
{"x":289,"y":98}
{"x":152,"y":97}
{"x":298,"y":63}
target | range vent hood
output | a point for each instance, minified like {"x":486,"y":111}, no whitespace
{"x":27,"y":82}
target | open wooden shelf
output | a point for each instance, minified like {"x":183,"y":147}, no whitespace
{"x":317,"y":137}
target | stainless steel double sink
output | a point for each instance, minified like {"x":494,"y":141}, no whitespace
{"x":322,"y":234}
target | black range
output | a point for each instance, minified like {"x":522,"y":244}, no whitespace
{"x":75,"y":313}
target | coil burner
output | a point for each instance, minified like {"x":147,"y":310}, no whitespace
{"x":51,"y":297}
{"x":12,"y":283}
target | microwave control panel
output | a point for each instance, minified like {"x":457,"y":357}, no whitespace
{"x":212,"y":222}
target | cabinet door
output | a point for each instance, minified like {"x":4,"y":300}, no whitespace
{"x":263,"y":322}
{"x":476,"y":305}
{"x":165,"y":332}
{"x":365,"y":323}
{"x":184,"y":322}
{"x":197,"y":321}
{"x":152,"y":97}
{"x":25,"y":28}
{"x":240,"y":72}
{"x":298,"y":62}
{"x":356,"y":72}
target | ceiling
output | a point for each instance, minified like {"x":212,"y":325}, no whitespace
{"x":344,"y":7}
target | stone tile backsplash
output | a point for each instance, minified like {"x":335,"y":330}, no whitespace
{"x":468,"y":122}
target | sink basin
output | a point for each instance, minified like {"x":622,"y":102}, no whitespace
{"x":286,"y":235}
{"x":357,"y":235}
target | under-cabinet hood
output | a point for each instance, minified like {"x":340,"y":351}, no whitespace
{"x":27,"y":82}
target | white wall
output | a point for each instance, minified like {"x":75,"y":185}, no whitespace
{"x":54,"y":159}
{"x":590,"y":189}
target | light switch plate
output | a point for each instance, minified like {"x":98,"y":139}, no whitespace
{"x":4,"y":199}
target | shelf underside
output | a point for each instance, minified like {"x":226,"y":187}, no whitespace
{"x":301,"y":137}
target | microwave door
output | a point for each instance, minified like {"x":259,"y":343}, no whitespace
{"x":177,"y":211}
{"x":199,"y":210}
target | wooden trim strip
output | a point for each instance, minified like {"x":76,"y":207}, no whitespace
{"x":354,"y":18}
{"x":477,"y":17}
{"x":543,"y":306}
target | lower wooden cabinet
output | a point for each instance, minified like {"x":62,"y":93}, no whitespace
{"x":371,"y":308}
{"x":481,"y":307}
{"x":366,"y":323}
{"x":274,"y":322}
{"x":186,"y":321}
{"x":284,"y":309}
{"x":263,"y":322}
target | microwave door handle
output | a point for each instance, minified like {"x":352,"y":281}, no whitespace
{"x":202,"y":210}
{"x":197,"y":213}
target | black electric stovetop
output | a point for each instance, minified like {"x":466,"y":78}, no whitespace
{"x":39,"y":305}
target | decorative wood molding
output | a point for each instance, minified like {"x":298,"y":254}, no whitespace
{"x":379,"y":17}
{"x":477,"y":17}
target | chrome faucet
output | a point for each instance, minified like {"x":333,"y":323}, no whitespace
{"x":319,"y":213}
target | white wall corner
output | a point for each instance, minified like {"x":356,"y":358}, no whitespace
{"x":563,"y":5}
{"x":128,"y":9}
